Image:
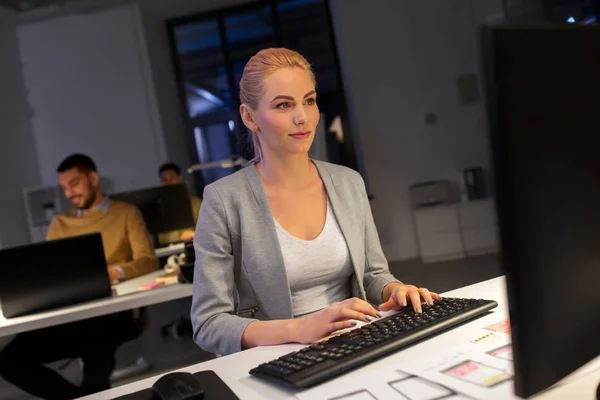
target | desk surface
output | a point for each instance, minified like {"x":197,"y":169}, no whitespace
{"x":233,"y":369}
{"x":128,"y":297}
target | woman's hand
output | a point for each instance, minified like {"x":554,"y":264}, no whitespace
{"x":398,"y":295}
{"x":333,"y":318}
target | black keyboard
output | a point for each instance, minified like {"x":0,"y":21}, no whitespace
{"x":340,"y":354}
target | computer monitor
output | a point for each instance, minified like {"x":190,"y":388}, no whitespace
{"x":543,"y":91}
{"x":165,"y":208}
{"x":52,"y":274}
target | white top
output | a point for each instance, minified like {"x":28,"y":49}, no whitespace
{"x":318,"y":270}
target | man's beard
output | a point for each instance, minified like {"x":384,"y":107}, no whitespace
{"x":88,"y":202}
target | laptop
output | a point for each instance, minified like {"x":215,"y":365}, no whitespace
{"x":52,"y":274}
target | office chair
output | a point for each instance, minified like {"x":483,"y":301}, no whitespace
{"x":135,"y":330}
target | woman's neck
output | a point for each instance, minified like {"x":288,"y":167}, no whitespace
{"x":288,"y":171}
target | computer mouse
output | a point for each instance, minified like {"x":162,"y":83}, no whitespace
{"x":178,"y":386}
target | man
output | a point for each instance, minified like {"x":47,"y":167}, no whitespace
{"x":170,"y":174}
{"x":129,"y":253}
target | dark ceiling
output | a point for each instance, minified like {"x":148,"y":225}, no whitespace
{"x":26,"y":5}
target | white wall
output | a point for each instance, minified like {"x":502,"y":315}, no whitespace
{"x":18,"y":156}
{"x":400,"y":60}
{"x":90,"y":85}
{"x":155,"y":13}
{"x":171,"y":113}
{"x":132,"y":36}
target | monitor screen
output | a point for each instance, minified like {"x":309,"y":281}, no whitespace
{"x":165,"y":208}
{"x":543,"y":85}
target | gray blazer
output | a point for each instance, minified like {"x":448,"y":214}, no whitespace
{"x":239,"y":275}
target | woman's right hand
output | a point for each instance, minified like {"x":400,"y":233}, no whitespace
{"x":333,"y":318}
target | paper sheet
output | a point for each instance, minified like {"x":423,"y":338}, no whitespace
{"x":483,"y":368}
{"x":384,"y":384}
{"x":480,"y":369}
{"x":502,"y":326}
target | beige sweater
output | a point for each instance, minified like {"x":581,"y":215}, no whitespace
{"x":124,"y":235}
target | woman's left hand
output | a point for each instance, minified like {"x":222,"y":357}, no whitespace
{"x":400,"y":295}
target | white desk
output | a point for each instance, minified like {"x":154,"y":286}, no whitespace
{"x":128,"y":297}
{"x":233,"y":369}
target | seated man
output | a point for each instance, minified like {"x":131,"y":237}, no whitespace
{"x":129,"y":253}
{"x":170,"y":174}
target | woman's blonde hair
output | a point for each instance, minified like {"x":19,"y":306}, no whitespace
{"x":261,"y":65}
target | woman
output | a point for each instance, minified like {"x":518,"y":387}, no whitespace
{"x":287,"y":250}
